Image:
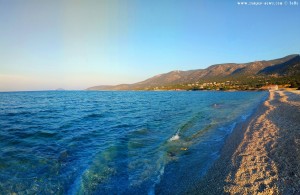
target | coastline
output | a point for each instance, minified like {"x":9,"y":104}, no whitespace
{"x":262,"y":154}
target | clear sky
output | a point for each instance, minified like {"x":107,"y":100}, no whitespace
{"x":75,"y":44}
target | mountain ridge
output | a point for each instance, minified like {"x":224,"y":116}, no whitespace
{"x":282,"y":67}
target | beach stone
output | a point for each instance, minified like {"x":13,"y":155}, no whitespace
{"x":262,"y":187}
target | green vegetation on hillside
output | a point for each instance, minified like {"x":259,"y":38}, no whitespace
{"x":249,"y":83}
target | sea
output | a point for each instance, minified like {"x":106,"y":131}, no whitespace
{"x":114,"y":142}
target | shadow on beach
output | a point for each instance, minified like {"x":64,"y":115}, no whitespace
{"x":286,"y":154}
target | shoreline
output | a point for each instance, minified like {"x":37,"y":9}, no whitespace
{"x":262,"y":154}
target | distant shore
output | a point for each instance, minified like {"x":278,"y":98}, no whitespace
{"x":179,"y":90}
{"x":262,"y":155}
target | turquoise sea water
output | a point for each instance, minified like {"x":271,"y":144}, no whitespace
{"x":89,"y":142}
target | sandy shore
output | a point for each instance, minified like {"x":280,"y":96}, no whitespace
{"x":262,"y":155}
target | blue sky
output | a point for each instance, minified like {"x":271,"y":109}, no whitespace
{"x":75,"y":44}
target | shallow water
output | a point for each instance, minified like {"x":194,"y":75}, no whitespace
{"x":89,"y":142}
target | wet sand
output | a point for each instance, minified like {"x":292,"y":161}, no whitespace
{"x":262,"y":155}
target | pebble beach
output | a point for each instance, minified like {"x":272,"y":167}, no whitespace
{"x":262,"y":155}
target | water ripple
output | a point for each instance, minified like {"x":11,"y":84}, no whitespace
{"x":69,"y":142}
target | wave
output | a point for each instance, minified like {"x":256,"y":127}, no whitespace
{"x":10,"y":114}
{"x":174,"y":137}
{"x":94,"y":115}
{"x":200,"y":132}
{"x":187,"y":126}
{"x":95,"y":172}
{"x":46,"y":134}
{"x":151,"y":190}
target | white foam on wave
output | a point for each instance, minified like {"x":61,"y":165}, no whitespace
{"x":175,"y":137}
